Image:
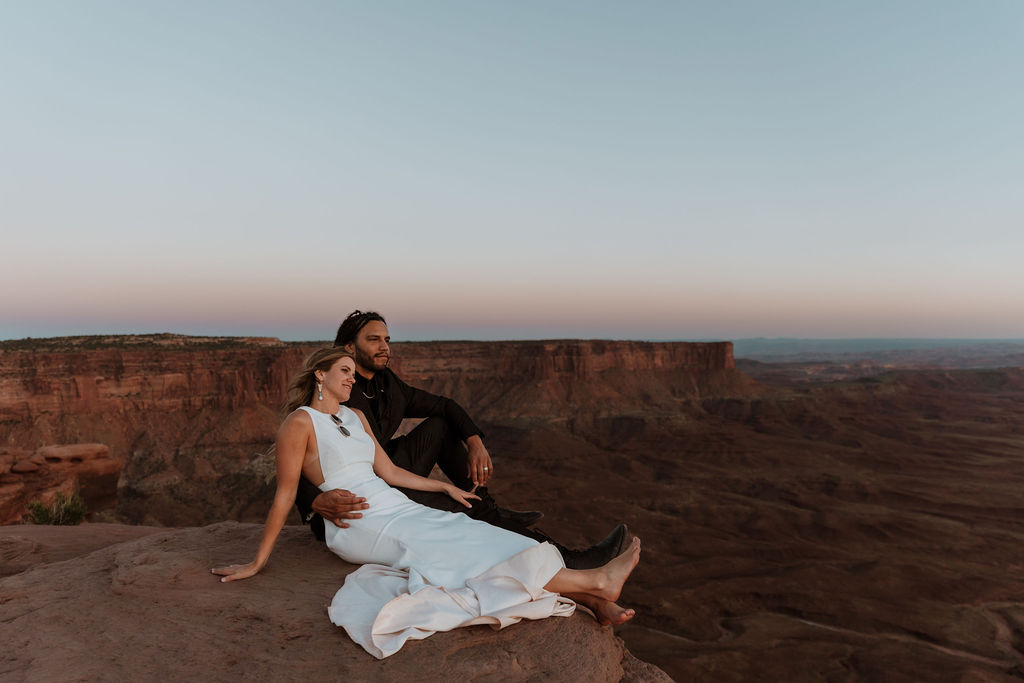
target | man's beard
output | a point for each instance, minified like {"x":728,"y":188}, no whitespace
{"x":371,"y":363}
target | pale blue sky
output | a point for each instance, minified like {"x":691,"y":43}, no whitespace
{"x":513,"y":169}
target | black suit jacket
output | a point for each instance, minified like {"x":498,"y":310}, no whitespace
{"x":386,"y":401}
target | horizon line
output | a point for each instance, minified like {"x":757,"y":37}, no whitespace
{"x":702,"y":339}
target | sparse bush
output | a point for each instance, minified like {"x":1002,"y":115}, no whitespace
{"x":66,"y":510}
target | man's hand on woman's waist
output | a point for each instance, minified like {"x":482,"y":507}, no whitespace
{"x":338,"y":505}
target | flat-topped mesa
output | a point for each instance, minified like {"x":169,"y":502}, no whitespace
{"x":95,"y":389}
{"x":556,"y":378}
{"x":580,"y":359}
{"x":132,"y":379}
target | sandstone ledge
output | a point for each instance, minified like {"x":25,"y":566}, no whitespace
{"x":149,"y":608}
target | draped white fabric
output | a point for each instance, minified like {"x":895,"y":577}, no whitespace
{"x":381,"y":607}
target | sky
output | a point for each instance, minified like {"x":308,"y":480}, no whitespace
{"x":513,"y":170}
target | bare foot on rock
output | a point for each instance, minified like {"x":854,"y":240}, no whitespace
{"x":611,"y":614}
{"x":618,"y":570}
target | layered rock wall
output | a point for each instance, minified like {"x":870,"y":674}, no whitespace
{"x":118,"y":396}
{"x":181,"y":415}
{"x":189,"y":417}
{"x":559,"y":378}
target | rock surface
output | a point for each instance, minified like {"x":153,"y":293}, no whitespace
{"x":149,"y":609}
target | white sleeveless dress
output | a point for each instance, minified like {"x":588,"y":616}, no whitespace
{"x":424,"y":570}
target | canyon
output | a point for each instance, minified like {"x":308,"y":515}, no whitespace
{"x":801,"y":522}
{"x":191,"y":418}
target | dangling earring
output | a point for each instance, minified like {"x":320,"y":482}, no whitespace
{"x":320,"y":391}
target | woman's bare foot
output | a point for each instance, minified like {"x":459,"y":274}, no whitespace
{"x":611,"y":614}
{"x":617,"y":571}
{"x":606,"y":613}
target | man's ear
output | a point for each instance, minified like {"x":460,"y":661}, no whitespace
{"x":350,"y":347}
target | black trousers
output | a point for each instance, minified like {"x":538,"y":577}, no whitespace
{"x":432,"y":442}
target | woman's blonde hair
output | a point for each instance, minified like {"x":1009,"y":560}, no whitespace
{"x":300,"y":391}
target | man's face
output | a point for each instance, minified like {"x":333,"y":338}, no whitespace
{"x":371,"y":347}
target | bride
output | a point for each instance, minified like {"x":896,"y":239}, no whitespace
{"x":424,"y":570}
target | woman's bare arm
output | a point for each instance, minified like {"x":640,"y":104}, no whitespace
{"x":398,"y":476}
{"x":292,"y":441}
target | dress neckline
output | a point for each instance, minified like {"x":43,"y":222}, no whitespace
{"x":311,"y":409}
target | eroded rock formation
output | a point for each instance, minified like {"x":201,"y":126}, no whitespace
{"x":88,"y":469}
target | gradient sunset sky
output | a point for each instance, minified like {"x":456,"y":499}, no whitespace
{"x":512,"y":170}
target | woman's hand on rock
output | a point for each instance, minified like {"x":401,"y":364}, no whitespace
{"x":235,"y":572}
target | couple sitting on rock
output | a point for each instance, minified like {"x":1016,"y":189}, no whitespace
{"x":425,"y":569}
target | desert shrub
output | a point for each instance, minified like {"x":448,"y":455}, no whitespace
{"x":66,"y":510}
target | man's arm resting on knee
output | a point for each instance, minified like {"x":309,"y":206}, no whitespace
{"x":338,"y":505}
{"x":420,"y":403}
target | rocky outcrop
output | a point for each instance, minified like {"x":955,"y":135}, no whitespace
{"x":86,"y":468}
{"x":184,"y":415}
{"x":149,"y":609}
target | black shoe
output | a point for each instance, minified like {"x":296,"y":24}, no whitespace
{"x":600,"y":554}
{"x":486,"y":510}
{"x":523,"y":517}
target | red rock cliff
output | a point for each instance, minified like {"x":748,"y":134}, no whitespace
{"x":558,"y":378}
{"x":188,"y":415}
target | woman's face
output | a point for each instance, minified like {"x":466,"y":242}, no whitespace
{"x":338,"y":380}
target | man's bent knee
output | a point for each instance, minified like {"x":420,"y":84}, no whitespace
{"x":432,"y":428}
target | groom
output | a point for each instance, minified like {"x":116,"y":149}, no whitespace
{"x":386,"y":400}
